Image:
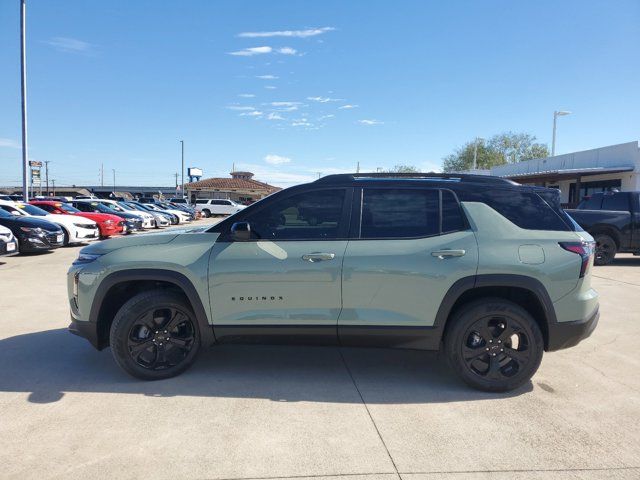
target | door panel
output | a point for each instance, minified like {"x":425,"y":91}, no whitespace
{"x":269,"y":283}
{"x":401,"y":283}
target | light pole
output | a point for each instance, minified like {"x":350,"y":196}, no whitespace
{"x":182,"y":186}
{"x":556,"y":114}
{"x":114,"y":180}
{"x":23,"y":85}
{"x":475,"y":152}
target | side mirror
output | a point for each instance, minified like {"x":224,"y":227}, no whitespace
{"x":241,"y":231}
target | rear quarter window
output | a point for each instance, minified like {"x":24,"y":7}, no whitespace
{"x":526,"y":209}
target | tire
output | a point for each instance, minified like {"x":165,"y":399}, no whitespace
{"x":206,"y":213}
{"x":65,"y":240}
{"x":140,"y":343}
{"x":606,"y":249}
{"x":479,"y":349}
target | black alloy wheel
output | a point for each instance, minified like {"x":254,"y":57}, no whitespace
{"x":493,"y":344}
{"x":155,"y":335}
{"x":606,"y":250}
{"x":161,"y":338}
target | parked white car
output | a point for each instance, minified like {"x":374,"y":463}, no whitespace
{"x":148,"y":220}
{"x":183,"y":217}
{"x":8,"y":243}
{"x":76,"y":229}
{"x":217,"y":206}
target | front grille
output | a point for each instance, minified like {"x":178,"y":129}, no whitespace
{"x":52,"y":237}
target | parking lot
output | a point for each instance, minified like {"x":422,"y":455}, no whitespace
{"x":67,"y":411}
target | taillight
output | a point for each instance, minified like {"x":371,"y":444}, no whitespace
{"x":584,"y":249}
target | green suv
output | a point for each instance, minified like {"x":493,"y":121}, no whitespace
{"x":491,"y":271}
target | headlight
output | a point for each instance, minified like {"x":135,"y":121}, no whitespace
{"x":83,"y":225}
{"x":85,"y":258}
{"x":108,"y":222}
{"x":32,"y":230}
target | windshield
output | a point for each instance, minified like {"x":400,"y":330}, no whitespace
{"x":125,"y":206}
{"x":113,"y":206}
{"x":12,"y":210}
{"x":32,"y":210}
{"x":67,"y":208}
{"x":5,"y":214}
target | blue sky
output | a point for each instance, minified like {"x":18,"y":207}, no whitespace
{"x":287,"y":89}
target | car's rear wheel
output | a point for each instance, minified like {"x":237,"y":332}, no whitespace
{"x":606,"y":249}
{"x":206,"y":213}
{"x":155,"y":335}
{"x":494,"y":345}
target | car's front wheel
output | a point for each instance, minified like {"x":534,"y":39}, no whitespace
{"x":155,"y":335}
{"x":494,"y":345}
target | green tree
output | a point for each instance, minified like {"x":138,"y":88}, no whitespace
{"x":404,"y":169}
{"x":503,"y":148}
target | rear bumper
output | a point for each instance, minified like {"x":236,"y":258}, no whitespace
{"x":568,"y":334}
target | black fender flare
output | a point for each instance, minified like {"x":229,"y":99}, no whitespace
{"x":161,"y":275}
{"x":495,"y":280}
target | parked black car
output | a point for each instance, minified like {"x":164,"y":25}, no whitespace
{"x":613,"y":219}
{"x":33,"y":234}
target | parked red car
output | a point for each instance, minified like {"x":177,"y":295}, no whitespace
{"x":107,"y":224}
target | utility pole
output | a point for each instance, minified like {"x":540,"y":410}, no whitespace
{"x":102,"y":174}
{"x":358,"y":167}
{"x":54,"y":187}
{"x":176,"y":175}
{"x":46,"y":176}
{"x":182,"y":148}
{"x":23,"y":84}
{"x":475,"y":152}
{"x":114,"y":180}
{"x":556,"y":114}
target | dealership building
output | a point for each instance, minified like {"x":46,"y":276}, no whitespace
{"x":580,"y":174}
{"x":240,"y":187}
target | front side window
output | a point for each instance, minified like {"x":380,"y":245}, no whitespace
{"x":399,"y":213}
{"x":315,"y":215}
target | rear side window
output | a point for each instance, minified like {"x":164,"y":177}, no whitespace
{"x":618,"y":202}
{"x":399,"y":213}
{"x":452,"y":217}
{"x":592,"y":203}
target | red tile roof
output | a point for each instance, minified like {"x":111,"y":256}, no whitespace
{"x":232,"y":184}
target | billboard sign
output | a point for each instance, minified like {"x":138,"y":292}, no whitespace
{"x":194,"y":172}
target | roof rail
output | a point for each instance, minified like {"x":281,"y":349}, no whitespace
{"x":460,"y":177}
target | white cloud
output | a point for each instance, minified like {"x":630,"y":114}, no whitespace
{"x":246,"y":95}
{"x":250,"y":52}
{"x":240,"y":108}
{"x":254,"y":113}
{"x":274,"y":116}
{"x":287,"y":51}
{"x":276,"y":159}
{"x":301,"y":122}
{"x":347,"y":107}
{"x":270,"y":87}
{"x":267,"y":77}
{"x":324,"y":99}
{"x":69,"y":45}
{"x":8,"y":143}
{"x":324,"y":117}
{"x":370,"y":122}
{"x":310,"y":32}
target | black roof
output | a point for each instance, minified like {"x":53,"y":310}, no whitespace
{"x":440,"y":178}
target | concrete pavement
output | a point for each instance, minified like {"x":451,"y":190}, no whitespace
{"x":67,"y":411}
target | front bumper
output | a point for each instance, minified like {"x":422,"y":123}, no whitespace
{"x":8,"y":249}
{"x":87,"y":330}
{"x":85,"y":234}
{"x":35,"y":243}
{"x":568,"y":334}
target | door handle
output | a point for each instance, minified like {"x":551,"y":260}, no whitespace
{"x":318,"y":257}
{"x":442,"y":254}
